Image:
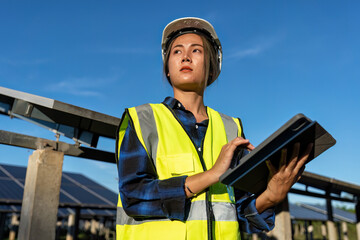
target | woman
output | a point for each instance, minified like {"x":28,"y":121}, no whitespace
{"x":171,"y":155}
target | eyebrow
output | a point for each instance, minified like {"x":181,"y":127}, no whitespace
{"x":192,"y":45}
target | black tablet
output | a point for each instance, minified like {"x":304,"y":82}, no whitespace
{"x":251,"y":172}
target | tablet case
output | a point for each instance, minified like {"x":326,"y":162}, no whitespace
{"x":251,"y":172}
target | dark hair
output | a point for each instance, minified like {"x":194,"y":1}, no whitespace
{"x":210,"y":61}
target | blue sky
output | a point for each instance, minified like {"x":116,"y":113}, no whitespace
{"x":280,"y":58}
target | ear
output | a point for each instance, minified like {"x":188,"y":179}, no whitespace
{"x":168,"y":74}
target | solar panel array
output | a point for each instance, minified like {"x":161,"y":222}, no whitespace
{"x":318,"y":213}
{"x":76,"y":190}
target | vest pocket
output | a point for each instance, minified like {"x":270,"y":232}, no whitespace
{"x":180,"y":164}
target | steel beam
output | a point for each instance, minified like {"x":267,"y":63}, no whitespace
{"x":26,"y":141}
{"x":319,"y":195}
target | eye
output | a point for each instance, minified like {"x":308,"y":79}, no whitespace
{"x":176,"y":51}
{"x":197,"y":50}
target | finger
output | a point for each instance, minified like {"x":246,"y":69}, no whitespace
{"x":250,"y":147}
{"x":294,"y":156}
{"x":246,"y":143}
{"x":301,"y":163}
{"x":282,"y":163}
{"x":296,"y":149}
{"x":272,"y":169}
{"x":239,"y":141}
{"x":229,"y":148}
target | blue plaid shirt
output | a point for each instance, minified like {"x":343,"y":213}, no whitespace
{"x":143,"y":195}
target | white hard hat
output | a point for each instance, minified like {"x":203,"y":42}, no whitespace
{"x":185,"y":25}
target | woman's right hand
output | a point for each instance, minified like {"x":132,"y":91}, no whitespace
{"x":201,"y":181}
{"x":227,"y":152}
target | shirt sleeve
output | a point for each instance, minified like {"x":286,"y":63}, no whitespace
{"x":249,"y":219}
{"x":142,"y":193}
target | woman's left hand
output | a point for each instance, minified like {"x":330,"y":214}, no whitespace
{"x":282,"y":179}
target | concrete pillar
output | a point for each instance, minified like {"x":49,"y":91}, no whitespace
{"x":41,"y":195}
{"x":282,"y":229}
{"x":14,"y":226}
{"x":94,"y":229}
{"x":302,"y":229}
{"x":107,"y":233}
{"x":71,"y":223}
{"x":296,"y":229}
{"x":87,"y":226}
{"x":332,"y":234}
{"x":323,"y":230}
{"x":344,"y":230}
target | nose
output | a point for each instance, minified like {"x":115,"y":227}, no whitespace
{"x":186,"y":59}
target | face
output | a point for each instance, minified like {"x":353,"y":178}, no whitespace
{"x":186,"y":63}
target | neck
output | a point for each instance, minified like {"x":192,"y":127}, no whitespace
{"x":192,"y":102}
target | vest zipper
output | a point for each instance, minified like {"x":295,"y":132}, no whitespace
{"x":209,"y":210}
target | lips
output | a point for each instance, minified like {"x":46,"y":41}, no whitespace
{"x":186,"y":69}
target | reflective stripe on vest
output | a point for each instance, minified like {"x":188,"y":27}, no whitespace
{"x":222,"y":211}
{"x":154,"y":125}
{"x":147,"y":124}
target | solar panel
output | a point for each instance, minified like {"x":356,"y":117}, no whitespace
{"x":18,"y":172}
{"x":339,"y":214}
{"x":301,"y":213}
{"x":10,"y":208}
{"x":10,"y":190}
{"x":65,"y":212}
{"x":319,"y":213}
{"x":74,"y":192}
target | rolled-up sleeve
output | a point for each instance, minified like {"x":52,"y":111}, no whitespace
{"x":249,"y":219}
{"x":142,"y":193}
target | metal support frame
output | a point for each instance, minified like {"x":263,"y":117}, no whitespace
{"x":25,"y":141}
{"x":329,"y":207}
{"x":63,"y":205}
{"x":2,"y":224}
{"x":318,"y":195}
{"x":80,"y":124}
{"x":306,"y":230}
{"x":357,"y":212}
{"x":76,"y":224}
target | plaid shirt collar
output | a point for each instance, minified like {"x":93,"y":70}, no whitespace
{"x":173,"y":103}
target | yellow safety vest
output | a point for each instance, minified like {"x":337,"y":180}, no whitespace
{"x":212,"y":213}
